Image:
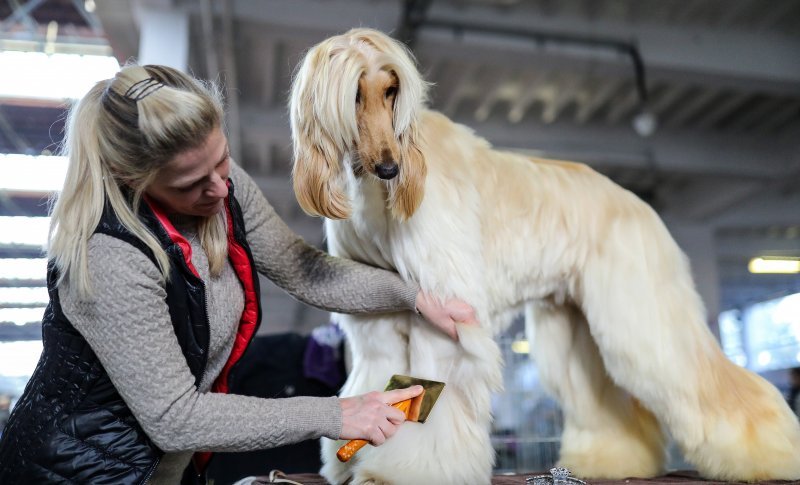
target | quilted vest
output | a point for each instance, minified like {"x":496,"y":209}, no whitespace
{"x":70,"y":424}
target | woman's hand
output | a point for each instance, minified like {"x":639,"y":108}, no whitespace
{"x":445,"y":315}
{"x":371,"y":417}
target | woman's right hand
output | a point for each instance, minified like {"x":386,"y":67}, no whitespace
{"x":371,"y":417}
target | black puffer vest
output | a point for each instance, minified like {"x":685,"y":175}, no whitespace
{"x":70,"y":424}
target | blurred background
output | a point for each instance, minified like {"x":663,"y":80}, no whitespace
{"x":694,"y":105}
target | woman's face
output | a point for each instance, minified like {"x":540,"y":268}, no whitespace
{"x":194,"y":183}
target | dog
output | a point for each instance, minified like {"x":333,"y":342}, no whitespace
{"x":617,"y":328}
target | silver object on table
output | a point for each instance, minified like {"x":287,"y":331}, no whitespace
{"x":558,"y":476}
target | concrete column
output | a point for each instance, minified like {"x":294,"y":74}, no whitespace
{"x":163,"y":35}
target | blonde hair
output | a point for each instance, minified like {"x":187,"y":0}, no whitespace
{"x":118,"y":138}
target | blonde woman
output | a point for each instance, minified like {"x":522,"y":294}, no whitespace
{"x":156,"y":243}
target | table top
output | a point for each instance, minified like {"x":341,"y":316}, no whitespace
{"x":677,"y":477}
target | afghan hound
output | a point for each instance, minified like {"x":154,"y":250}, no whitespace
{"x":617,"y":328}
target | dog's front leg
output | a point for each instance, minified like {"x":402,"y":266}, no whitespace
{"x":452,"y":446}
{"x":378,"y":346}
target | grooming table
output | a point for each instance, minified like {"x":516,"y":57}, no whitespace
{"x":678,"y":477}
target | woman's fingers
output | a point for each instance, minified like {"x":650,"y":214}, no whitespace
{"x":444,"y":315}
{"x":371,"y":417}
{"x":461,"y":312}
{"x":397,"y":395}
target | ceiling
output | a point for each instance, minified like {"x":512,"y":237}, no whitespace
{"x":554,"y":78}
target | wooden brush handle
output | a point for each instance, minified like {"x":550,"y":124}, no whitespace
{"x":351,"y":447}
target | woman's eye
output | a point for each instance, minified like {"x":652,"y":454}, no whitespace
{"x":186,"y":189}
{"x":391,"y":91}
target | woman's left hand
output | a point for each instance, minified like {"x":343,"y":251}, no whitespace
{"x":445,"y":314}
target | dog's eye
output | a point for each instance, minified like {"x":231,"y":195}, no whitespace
{"x":358,"y":96}
{"x":390,"y":91}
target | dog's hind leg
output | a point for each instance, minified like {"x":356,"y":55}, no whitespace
{"x":607,"y":433}
{"x":649,"y":324}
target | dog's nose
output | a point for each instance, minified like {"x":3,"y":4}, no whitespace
{"x":387,"y":170}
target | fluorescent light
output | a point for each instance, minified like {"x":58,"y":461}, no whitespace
{"x":774,"y":265}
{"x":24,"y":296}
{"x":18,"y":359}
{"x":26,"y":173}
{"x":520,"y":347}
{"x":21,"y":316}
{"x":23,"y":269}
{"x":27,"y":231}
{"x":52,"y":76}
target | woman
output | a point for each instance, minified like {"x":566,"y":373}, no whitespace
{"x":155,"y":246}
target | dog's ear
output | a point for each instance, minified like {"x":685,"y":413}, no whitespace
{"x":318,"y":177}
{"x":410,"y":189}
{"x":318,"y":183}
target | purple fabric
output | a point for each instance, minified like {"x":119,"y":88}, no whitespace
{"x":322,"y":356}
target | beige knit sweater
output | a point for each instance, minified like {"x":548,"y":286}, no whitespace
{"x":127,"y":324}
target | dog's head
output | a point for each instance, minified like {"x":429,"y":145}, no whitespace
{"x":354,"y":106}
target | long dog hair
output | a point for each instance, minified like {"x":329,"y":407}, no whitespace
{"x":616,"y":325}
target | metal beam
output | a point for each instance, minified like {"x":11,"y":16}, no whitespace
{"x":231,"y":80}
{"x":91,"y":19}
{"x":21,"y":12}
{"x":20,"y":143}
{"x":730,"y":56}
{"x":768,"y":208}
{"x":727,"y":56}
{"x":753,"y":59}
{"x":603,"y":146}
{"x":209,"y":39}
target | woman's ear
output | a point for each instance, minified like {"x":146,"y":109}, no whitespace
{"x":410,"y":189}
{"x":318,"y":181}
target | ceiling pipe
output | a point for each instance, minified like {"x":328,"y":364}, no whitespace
{"x":414,"y":18}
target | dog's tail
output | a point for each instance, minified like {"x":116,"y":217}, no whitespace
{"x":650,"y":325}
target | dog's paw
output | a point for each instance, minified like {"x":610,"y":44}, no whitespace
{"x":334,"y":471}
{"x":368,"y":479}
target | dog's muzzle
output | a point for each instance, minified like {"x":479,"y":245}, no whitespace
{"x":387,"y":170}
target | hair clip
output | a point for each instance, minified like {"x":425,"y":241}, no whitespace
{"x":141,"y":89}
{"x":558,"y":476}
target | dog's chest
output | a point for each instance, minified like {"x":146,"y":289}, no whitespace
{"x":372,"y":236}
{"x":364,"y":236}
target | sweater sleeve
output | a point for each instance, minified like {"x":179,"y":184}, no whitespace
{"x":308,"y":274}
{"x":126,"y":322}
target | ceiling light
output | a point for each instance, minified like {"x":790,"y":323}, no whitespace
{"x":645,"y":123}
{"x":24,"y":231}
{"x":19,"y":358}
{"x":26,"y":173}
{"x":19,"y":296}
{"x":23,"y":269}
{"x":520,"y":347}
{"x":52,"y":76}
{"x":21,"y":316}
{"x":774,"y":265}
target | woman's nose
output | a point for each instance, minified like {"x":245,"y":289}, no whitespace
{"x":219,"y":187}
